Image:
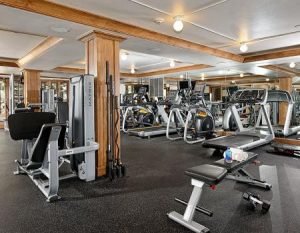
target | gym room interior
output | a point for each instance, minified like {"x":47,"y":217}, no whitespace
{"x":150,"y":116}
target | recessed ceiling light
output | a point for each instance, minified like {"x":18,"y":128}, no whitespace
{"x":178,"y":24}
{"x":233,"y":81}
{"x":181,"y":76}
{"x":267,"y":79}
{"x":241,"y":75}
{"x":153,"y":49}
{"x":244,"y":47}
{"x":60,"y":29}
{"x":172,"y":63}
{"x":159,"y":20}
{"x":292,"y":65}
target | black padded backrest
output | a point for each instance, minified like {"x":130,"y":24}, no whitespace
{"x":62,"y":110}
{"x":40,"y":146}
{"x":28,"y":125}
{"x":20,"y":110}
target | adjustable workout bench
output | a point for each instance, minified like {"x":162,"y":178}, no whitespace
{"x":212,"y":175}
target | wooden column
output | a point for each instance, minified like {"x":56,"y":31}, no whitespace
{"x":32,"y":86}
{"x":285,"y":84}
{"x":101,"y":47}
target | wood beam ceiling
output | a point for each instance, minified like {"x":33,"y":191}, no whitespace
{"x":8,"y":64}
{"x":69,"y":70}
{"x":45,"y":45}
{"x":77,"y":16}
{"x":165,"y":71}
{"x":280,"y":53}
{"x":281,"y":69}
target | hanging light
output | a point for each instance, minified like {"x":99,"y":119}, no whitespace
{"x":172,"y":63}
{"x":178,"y":24}
{"x":132,"y":70}
{"x":233,"y":81}
{"x":181,"y":76}
{"x":124,"y":56}
{"x":242,"y":75}
{"x":244,"y":47}
{"x":292,"y":65}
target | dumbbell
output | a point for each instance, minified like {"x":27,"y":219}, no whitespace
{"x":256,"y":200}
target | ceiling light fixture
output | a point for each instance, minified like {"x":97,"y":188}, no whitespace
{"x":202,"y":76}
{"x":292,"y":65}
{"x":267,"y":79}
{"x":221,"y":72}
{"x":181,"y":76}
{"x":60,"y":29}
{"x":172,"y":63}
{"x":178,"y":24}
{"x":244,"y":47}
{"x":233,"y":81}
{"x":132,"y":70}
{"x":124,"y":56}
{"x":242,"y":75}
{"x":159,"y":20}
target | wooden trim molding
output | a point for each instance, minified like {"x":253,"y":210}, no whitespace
{"x":281,"y":69}
{"x":78,"y":16}
{"x":70,"y":70}
{"x":280,"y":53}
{"x":46,"y":44}
{"x":165,"y":71}
{"x":8,"y":64}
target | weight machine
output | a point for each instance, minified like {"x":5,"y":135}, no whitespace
{"x":44,"y":148}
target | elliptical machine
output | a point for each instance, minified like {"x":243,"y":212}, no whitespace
{"x":199,"y":123}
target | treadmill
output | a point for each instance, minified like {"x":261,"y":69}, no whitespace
{"x":246,"y":138}
{"x":158,"y":130}
{"x":275,"y":97}
{"x":147,"y":132}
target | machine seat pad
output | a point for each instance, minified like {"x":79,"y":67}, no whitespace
{"x":209,"y":174}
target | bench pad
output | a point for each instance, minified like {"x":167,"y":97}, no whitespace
{"x":209,"y":174}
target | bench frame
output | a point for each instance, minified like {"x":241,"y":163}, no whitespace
{"x":187,"y":219}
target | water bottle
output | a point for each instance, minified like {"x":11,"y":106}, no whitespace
{"x":228,"y":156}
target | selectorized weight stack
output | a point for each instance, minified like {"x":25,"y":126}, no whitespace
{"x":82,"y":122}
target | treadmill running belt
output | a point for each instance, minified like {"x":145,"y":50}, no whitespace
{"x":147,"y":129}
{"x":223,"y":143}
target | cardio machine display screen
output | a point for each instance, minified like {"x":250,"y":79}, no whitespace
{"x":185,"y":85}
{"x":249,"y":96}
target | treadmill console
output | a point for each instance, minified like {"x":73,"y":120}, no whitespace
{"x":249,"y":96}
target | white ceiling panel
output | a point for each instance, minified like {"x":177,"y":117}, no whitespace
{"x":23,"y":21}
{"x":145,"y":62}
{"x":17,"y":45}
{"x":132,"y":13}
{"x":63,"y":53}
{"x":247,"y":20}
{"x":9,"y":70}
{"x":163,"y":50}
{"x":179,"y":7}
{"x":278,"y":42}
